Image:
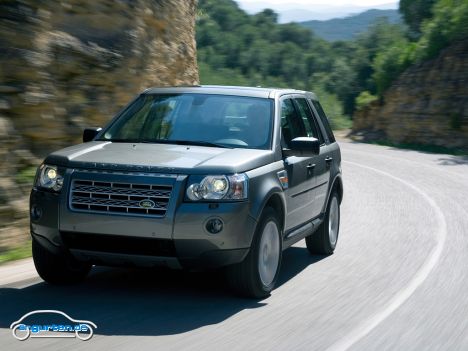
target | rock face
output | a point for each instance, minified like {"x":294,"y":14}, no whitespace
{"x":428,"y":104}
{"x":70,"y":64}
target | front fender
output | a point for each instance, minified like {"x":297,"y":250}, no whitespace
{"x":264,"y":186}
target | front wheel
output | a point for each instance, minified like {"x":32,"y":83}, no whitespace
{"x":256,"y":276}
{"x":323,"y":241}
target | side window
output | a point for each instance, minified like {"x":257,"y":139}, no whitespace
{"x":324,"y":120}
{"x":308,"y":119}
{"x":292,"y":125}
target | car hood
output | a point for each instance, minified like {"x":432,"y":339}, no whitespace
{"x":167,"y":158}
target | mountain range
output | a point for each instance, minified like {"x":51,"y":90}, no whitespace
{"x":296,"y":12}
{"x":349,"y":27}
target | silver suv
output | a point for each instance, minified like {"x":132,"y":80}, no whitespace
{"x":192,"y":177}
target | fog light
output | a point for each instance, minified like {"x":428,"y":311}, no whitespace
{"x":36,"y":213}
{"x":214,"y":226}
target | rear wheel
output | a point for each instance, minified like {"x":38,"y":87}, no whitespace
{"x":256,"y":276}
{"x":58,"y":269}
{"x":323,"y":241}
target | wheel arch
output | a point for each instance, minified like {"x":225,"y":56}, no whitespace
{"x":336,"y":185}
{"x":276,"y":202}
{"x":274,"y":199}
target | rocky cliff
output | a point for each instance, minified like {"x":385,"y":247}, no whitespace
{"x":427,"y":104}
{"x":70,"y":64}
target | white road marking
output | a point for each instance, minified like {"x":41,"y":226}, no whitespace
{"x":12,"y":272}
{"x":399,"y":159}
{"x":431,"y":261}
{"x":23,"y":284}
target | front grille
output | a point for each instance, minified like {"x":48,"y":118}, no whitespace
{"x":119,"y":244}
{"x":123,"y":198}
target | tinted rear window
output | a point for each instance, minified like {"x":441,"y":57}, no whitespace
{"x":324,"y":119}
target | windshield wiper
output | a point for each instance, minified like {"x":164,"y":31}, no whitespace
{"x":128,"y":140}
{"x":168,"y":141}
{"x":192,"y":142}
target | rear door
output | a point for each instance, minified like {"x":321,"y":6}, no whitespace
{"x":329,"y":152}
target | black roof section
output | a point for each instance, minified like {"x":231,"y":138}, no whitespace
{"x":228,"y":90}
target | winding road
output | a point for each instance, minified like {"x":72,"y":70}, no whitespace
{"x":397,"y":281}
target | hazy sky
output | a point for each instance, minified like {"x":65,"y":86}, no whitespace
{"x":305,"y":10}
{"x":363,"y":3}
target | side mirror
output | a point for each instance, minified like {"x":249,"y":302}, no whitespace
{"x":90,"y":133}
{"x":303,"y":147}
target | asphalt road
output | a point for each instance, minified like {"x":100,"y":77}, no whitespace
{"x":397,"y":281}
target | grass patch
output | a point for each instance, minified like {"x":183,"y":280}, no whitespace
{"x":26,"y":175}
{"x":434,"y":149}
{"x":16,"y":253}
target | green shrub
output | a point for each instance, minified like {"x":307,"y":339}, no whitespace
{"x":334,"y":110}
{"x":364,"y":99}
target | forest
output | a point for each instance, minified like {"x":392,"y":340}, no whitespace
{"x":236,"y":48}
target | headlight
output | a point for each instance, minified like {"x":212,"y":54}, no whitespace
{"x":49,"y":178}
{"x":218,"y":187}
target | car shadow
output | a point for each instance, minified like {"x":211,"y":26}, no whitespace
{"x":453,"y":160}
{"x":144,"y":302}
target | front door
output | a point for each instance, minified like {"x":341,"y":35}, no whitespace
{"x":299,"y":195}
{"x":321,"y":162}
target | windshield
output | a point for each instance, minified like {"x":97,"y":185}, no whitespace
{"x":199,"y":119}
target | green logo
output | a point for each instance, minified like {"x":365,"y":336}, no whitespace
{"x":147,"y":204}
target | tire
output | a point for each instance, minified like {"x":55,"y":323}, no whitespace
{"x":323,"y":241}
{"x":256,"y":276}
{"x":58,"y":269}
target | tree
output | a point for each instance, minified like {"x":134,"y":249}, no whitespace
{"x":415,"y":12}
{"x":448,"y":25}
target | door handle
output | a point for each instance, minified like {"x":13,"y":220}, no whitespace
{"x":311,"y":166}
{"x":310,"y":169}
{"x":328,"y":159}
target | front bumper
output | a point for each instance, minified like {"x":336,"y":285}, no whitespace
{"x":180,"y":239}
